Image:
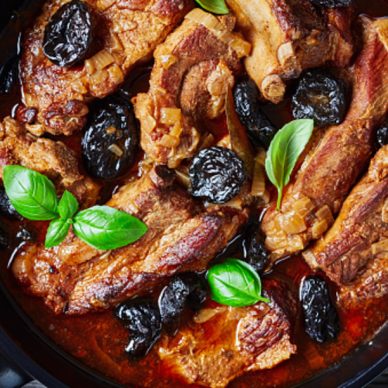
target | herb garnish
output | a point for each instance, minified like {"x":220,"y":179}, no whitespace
{"x":284,"y":151}
{"x":33,"y":196}
{"x":235,"y":283}
{"x":215,"y":6}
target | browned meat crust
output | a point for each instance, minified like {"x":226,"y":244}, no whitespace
{"x":51,"y":158}
{"x":182,"y":236}
{"x":360,"y":233}
{"x":226,"y":342}
{"x":193,"y":71}
{"x":331,"y":168}
{"x":128,"y":32}
{"x":289,"y":36}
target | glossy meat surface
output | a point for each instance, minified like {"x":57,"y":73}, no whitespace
{"x":360,"y":232}
{"x":127,"y":33}
{"x":289,"y":36}
{"x":340,"y":155}
{"x":224,"y":342}
{"x":182,"y":236}
{"x":194,"y":69}
{"x":51,"y":158}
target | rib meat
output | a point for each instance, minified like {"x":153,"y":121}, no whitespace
{"x":289,"y":36}
{"x":223,"y":342}
{"x":333,"y":165}
{"x":360,"y":233}
{"x":128,"y":32}
{"x":182,"y":236}
{"x":51,"y":158}
{"x":193,"y":71}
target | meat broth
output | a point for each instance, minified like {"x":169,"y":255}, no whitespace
{"x":98,"y":340}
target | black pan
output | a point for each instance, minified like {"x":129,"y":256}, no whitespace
{"x":25,"y":353}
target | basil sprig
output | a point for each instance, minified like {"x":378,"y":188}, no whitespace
{"x":284,"y":151}
{"x":235,"y":283}
{"x":33,"y":196}
{"x":214,"y":6}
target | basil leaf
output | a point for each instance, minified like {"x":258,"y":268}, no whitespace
{"x":30,"y":193}
{"x":284,"y":151}
{"x":57,"y":232}
{"x":106,"y":228}
{"x":235,"y":283}
{"x":68,"y":205}
{"x":215,"y":6}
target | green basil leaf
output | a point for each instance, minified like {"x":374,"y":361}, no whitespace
{"x":235,"y":283}
{"x":57,"y":232}
{"x":68,"y":205}
{"x":284,"y":151}
{"x":106,"y":228}
{"x":214,"y":6}
{"x":30,"y":193}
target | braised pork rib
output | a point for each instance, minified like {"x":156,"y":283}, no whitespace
{"x":333,"y":165}
{"x":128,"y":32}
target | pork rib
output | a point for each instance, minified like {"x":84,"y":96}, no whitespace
{"x":51,"y":158}
{"x":289,"y":36}
{"x":226,"y":342}
{"x":128,"y":32}
{"x":182,"y":236}
{"x":360,"y":233}
{"x":333,"y":165}
{"x":190,"y":80}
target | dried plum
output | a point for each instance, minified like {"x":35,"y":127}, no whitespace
{"x":69,"y":34}
{"x":4,"y":238}
{"x":6,"y":207}
{"x":216,"y":174}
{"x":332,"y":3}
{"x":184,"y":290}
{"x":111,"y":139}
{"x":142,"y":318}
{"x":246,"y":100}
{"x":254,"y":250}
{"x":321,"y":97}
{"x":24,"y":235}
{"x":9,"y":73}
{"x":382,"y":135}
{"x":320,"y":315}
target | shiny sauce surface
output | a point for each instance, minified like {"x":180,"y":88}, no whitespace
{"x":98,"y":340}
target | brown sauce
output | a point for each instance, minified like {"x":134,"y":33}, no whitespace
{"x":98,"y":340}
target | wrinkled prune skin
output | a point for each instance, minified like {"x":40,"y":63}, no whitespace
{"x":254,"y":250}
{"x":69,"y":34}
{"x":187,"y":290}
{"x":320,"y":315}
{"x":382,"y":135}
{"x":4,"y":238}
{"x":6,"y":207}
{"x":111,"y":139}
{"x":246,"y":99}
{"x":321,"y":97}
{"x":216,"y":174}
{"x":9,"y":73}
{"x":142,"y":319}
{"x":332,"y":3}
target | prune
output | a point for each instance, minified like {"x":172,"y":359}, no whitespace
{"x":246,"y":100}
{"x":24,"y":235}
{"x":4,"y":239}
{"x":111,"y":138}
{"x":69,"y":34}
{"x":142,"y":318}
{"x":321,"y":97}
{"x":320,"y":315}
{"x":332,"y":3}
{"x":9,"y":74}
{"x":382,"y":135}
{"x":254,"y":250}
{"x":216,"y":174}
{"x":185,"y":290}
{"x":6,"y":207}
